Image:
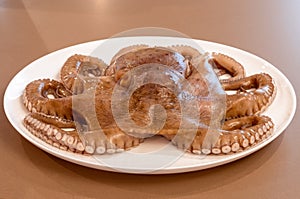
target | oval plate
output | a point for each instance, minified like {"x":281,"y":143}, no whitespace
{"x":49,"y":67}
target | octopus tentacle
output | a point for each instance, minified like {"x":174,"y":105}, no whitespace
{"x":49,"y":97}
{"x":79,"y":67}
{"x":236,"y":135}
{"x":222,"y":64}
{"x":53,"y":120}
{"x":67,"y":138}
{"x":227,"y":65}
{"x":261,"y":93}
{"x":53,"y":135}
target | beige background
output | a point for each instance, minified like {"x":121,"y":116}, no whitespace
{"x":30,"y":29}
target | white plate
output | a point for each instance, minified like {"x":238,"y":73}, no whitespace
{"x":49,"y":66}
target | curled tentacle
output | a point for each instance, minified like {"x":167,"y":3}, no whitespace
{"x":54,"y":120}
{"x":49,"y":97}
{"x":255,"y":93}
{"x":236,"y":135}
{"x":47,"y":130}
{"x":79,"y":70}
{"x":240,"y":133}
{"x":223,"y":64}
{"x":64,"y":135}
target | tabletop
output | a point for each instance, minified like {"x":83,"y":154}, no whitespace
{"x":30,"y":29}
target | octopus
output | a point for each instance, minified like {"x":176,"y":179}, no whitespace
{"x":202,"y":103}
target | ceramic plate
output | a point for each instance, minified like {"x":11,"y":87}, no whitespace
{"x":141,"y":159}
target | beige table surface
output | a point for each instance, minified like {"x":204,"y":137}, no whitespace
{"x":30,"y":29}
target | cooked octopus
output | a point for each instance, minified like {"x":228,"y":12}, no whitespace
{"x":97,"y":108}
